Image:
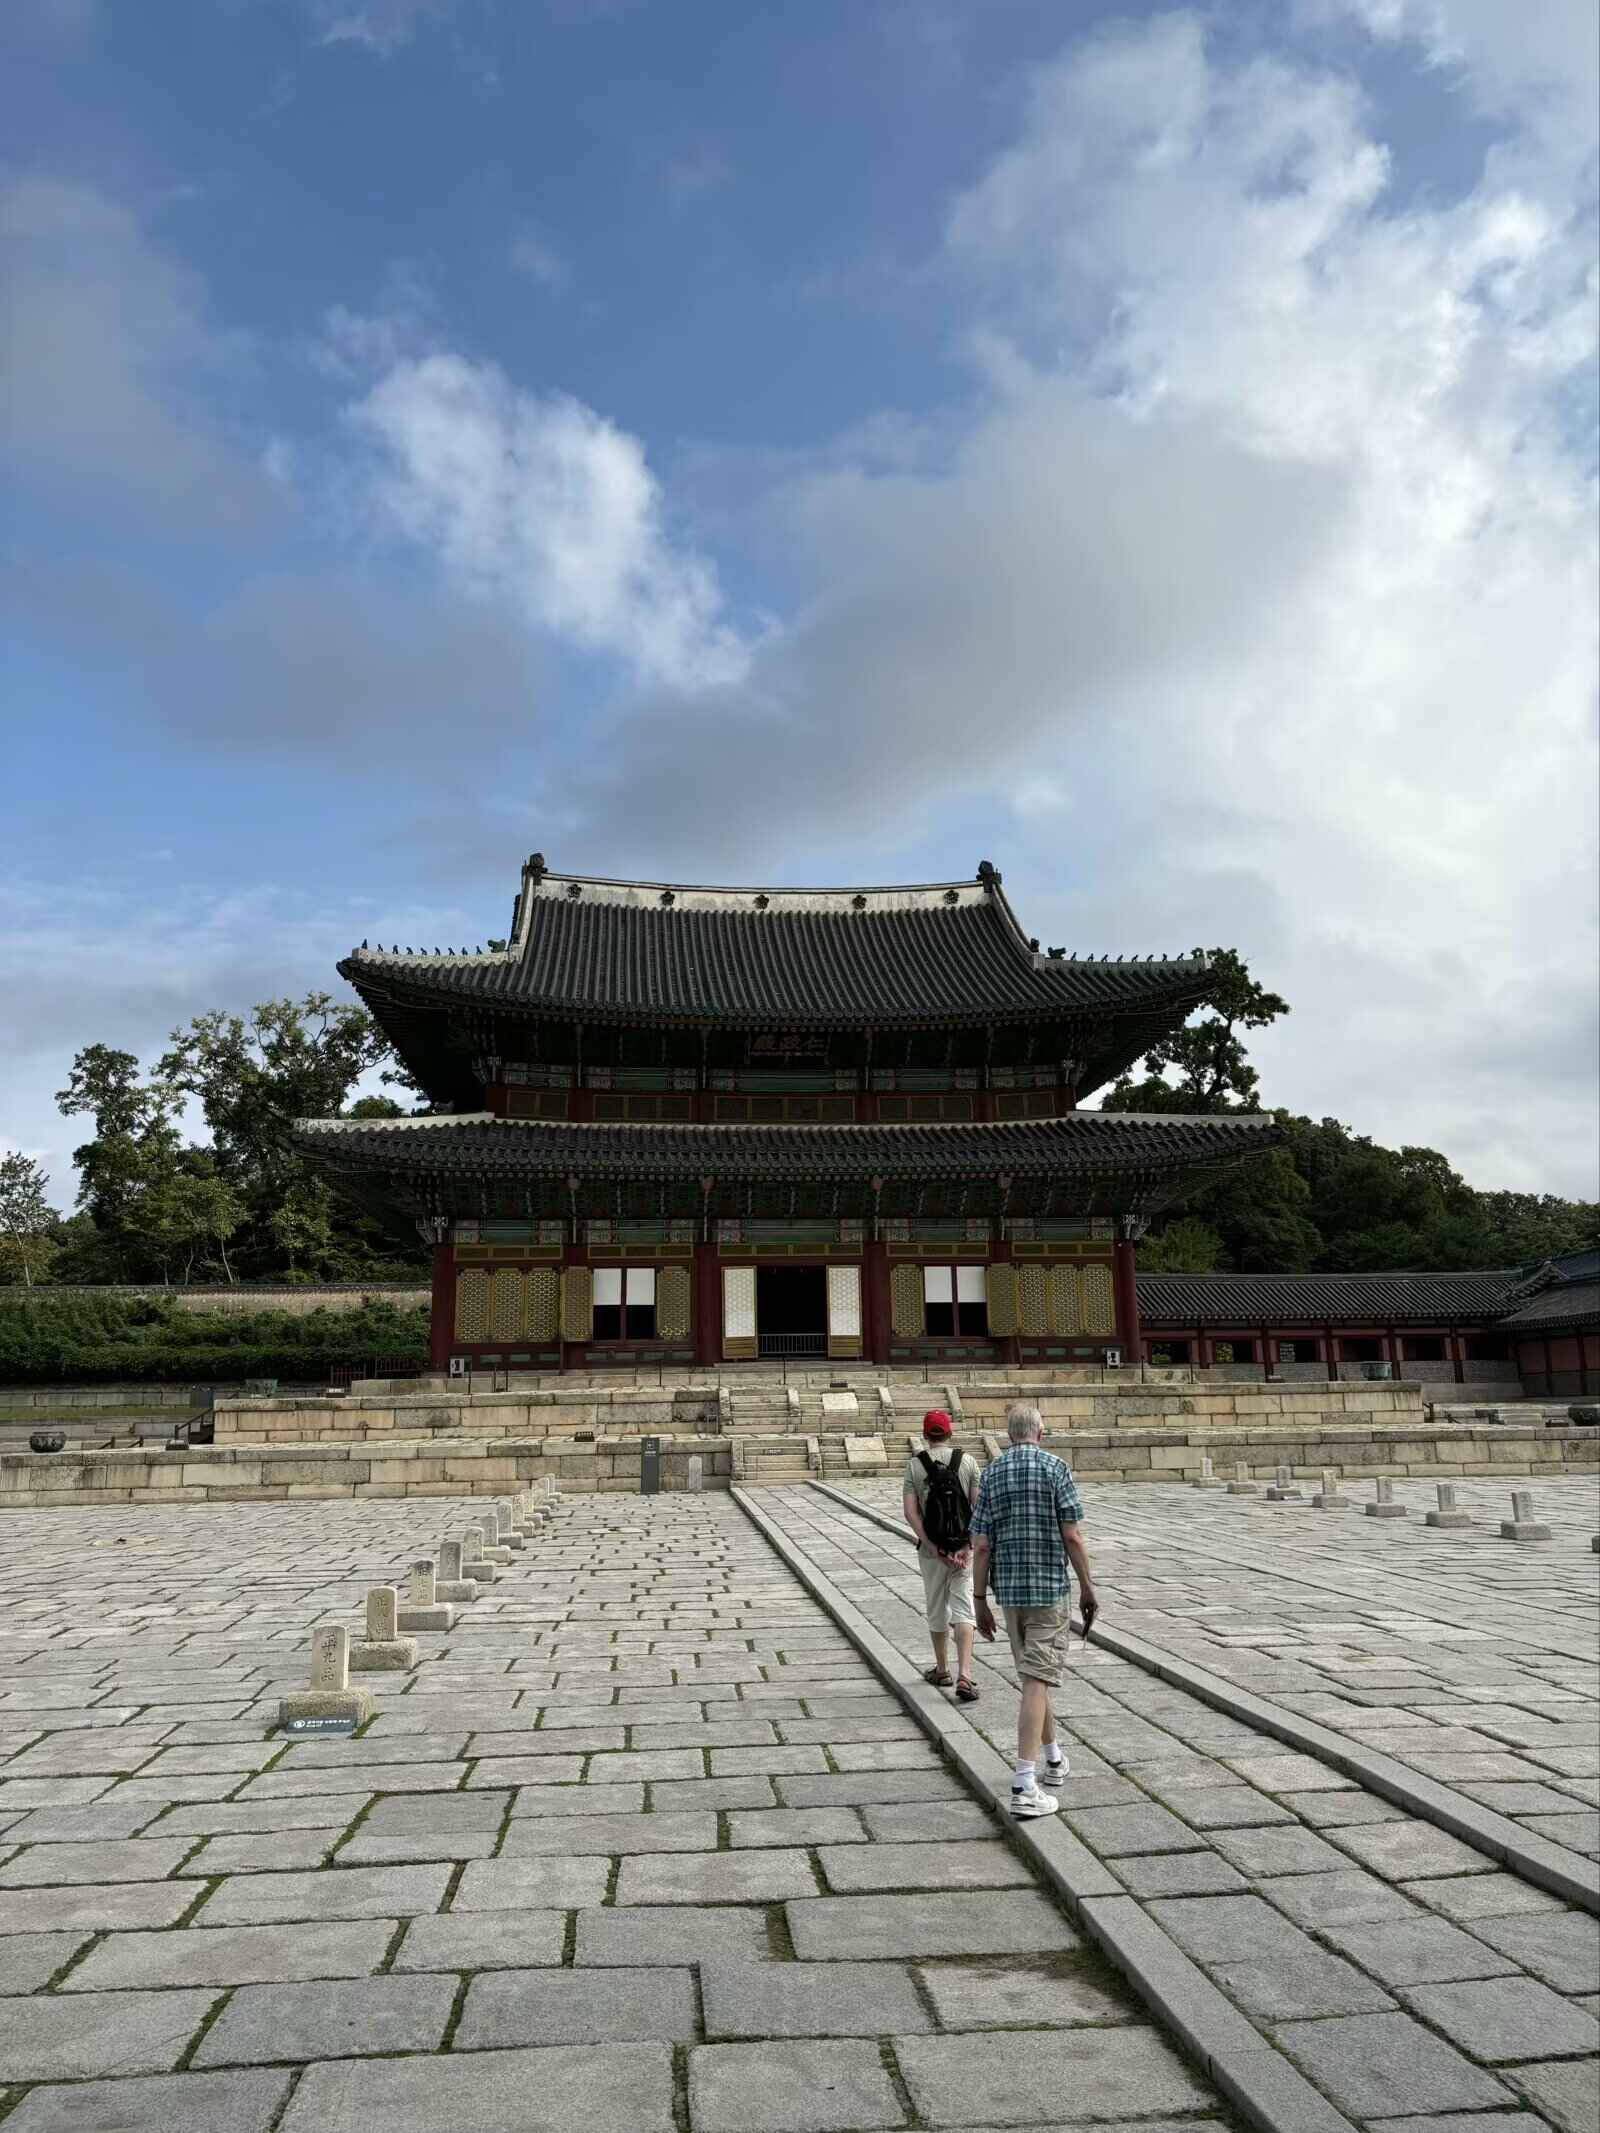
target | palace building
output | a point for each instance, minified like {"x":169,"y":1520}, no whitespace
{"x":714,"y":1125}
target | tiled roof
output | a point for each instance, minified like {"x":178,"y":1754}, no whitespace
{"x":1232,"y":1300}
{"x":1083,"y":1143}
{"x":1566,"y":1303}
{"x":940,"y":952}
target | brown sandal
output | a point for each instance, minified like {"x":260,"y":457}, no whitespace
{"x":938,"y":1676}
{"x":966,"y":1691}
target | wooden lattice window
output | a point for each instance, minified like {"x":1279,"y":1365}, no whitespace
{"x":472,"y":1304}
{"x":1003,"y":1300}
{"x":1099,"y":1302}
{"x":905,"y":1301}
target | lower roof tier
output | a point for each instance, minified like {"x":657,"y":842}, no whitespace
{"x":1113,"y":1161}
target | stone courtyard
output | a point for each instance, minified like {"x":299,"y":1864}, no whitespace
{"x":667,"y":1833}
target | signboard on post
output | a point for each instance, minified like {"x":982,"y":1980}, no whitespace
{"x":650,"y":1466}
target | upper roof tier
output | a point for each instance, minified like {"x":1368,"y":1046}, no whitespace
{"x":644,"y":951}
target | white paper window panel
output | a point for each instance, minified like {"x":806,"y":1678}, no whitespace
{"x":641,"y":1284}
{"x":972,"y":1284}
{"x":608,"y":1284}
{"x":844,"y":1300}
{"x":739,"y":1303}
{"x":936,"y":1285}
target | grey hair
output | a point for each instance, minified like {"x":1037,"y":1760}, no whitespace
{"x":1023,"y":1422}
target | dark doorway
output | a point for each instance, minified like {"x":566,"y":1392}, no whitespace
{"x":792,"y":1310}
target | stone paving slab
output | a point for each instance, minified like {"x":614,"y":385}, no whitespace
{"x":172,"y":2103}
{"x":554,"y":1882}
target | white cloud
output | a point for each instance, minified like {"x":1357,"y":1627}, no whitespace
{"x":541,"y":502}
{"x":536,"y":258}
{"x":1267,"y":563}
{"x":383,"y":27}
{"x":116,"y":377}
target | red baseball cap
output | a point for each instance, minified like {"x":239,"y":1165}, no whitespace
{"x":936,"y":1423}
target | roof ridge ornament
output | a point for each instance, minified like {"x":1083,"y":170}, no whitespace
{"x":989,"y":875}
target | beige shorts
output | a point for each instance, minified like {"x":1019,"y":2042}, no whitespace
{"x":1039,"y":1640}
{"x":946,"y":1592}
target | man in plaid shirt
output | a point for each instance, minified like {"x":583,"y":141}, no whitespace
{"x":1025,"y":1530}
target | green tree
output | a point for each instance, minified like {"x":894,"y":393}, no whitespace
{"x":188,"y":1212}
{"x":26,"y":1219}
{"x":1187,"y":1246}
{"x":1207,"y":1055}
{"x":135,"y":1146}
{"x":255,"y":1076}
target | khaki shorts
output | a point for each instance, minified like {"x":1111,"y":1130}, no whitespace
{"x":1039,"y":1640}
{"x":946,"y":1592}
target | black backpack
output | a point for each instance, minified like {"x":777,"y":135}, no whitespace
{"x":947,"y":1515}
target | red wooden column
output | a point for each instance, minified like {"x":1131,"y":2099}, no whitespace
{"x":442,"y":1315}
{"x":875,"y":1322}
{"x":1126,"y":1292}
{"x":707,"y":1305}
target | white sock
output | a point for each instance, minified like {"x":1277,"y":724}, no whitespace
{"x":1052,"y":1752}
{"x":1023,"y":1781}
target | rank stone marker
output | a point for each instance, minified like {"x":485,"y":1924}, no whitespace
{"x":475,"y":1563}
{"x":330,"y":1699}
{"x":383,"y":1650}
{"x":697,"y":1474}
{"x":1283,"y":1489}
{"x":1449,"y":1515}
{"x":1208,"y":1477}
{"x":1522,"y":1525}
{"x":505,"y":1519}
{"x":424,"y":1609}
{"x":1328,"y":1497}
{"x":450,"y":1584}
{"x":1241,"y":1484}
{"x":1383,"y":1504}
{"x":490,"y":1549}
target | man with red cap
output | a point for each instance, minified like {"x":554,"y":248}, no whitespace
{"x":941,"y":1486}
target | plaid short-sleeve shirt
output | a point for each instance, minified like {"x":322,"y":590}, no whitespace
{"x":1026,"y":1496}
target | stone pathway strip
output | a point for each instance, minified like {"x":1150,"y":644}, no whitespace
{"x":640,"y":1842}
{"x":1361,"y":1751}
{"x":1468,"y":1658}
{"x":1318,"y":1909}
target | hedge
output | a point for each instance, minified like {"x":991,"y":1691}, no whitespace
{"x":108,"y":1339}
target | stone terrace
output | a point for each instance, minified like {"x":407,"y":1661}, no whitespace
{"x":640,"y":1844}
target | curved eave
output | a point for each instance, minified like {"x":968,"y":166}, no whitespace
{"x":418,"y":990}
{"x":1078,"y":1145}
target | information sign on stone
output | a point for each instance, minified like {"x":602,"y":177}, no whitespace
{"x":649,"y":1466}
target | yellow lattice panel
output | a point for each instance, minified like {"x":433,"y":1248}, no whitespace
{"x":1099,"y":1302}
{"x":505,"y":1303}
{"x":577,"y":1304}
{"x":1066,"y":1302}
{"x":472,"y":1304}
{"x":1003,"y":1320}
{"x":544,"y":1303}
{"x":672,"y":1303}
{"x":1033,"y":1300}
{"x":905,"y":1301}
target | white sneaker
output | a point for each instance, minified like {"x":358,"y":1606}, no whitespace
{"x":1025,"y":1806}
{"x":1054,"y":1774}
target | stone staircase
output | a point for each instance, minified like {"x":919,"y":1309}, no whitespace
{"x":772,"y":1462}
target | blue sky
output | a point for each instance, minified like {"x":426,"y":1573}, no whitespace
{"x":1149,"y":448}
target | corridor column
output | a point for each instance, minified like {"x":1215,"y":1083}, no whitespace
{"x":1125,"y":1288}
